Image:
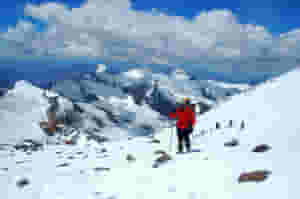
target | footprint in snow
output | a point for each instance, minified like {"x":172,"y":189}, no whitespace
{"x":172,"y":188}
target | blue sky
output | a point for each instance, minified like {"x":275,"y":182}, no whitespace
{"x":240,"y":40}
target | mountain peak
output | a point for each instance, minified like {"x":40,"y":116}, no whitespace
{"x":101,"y":68}
{"x":180,"y":74}
{"x":137,"y":73}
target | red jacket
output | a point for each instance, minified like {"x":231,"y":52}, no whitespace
{"x":184,"y":115}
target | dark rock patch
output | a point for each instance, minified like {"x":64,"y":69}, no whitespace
{"x":161,"y":160}
{"x":98,"y":169}
{"x":155,"y":141}
{"x":20,"y":162}
{"x":130,"y":158}
{"x":261,"y":148}
{"x":255,"y":176}
{"x":23,"y":182}
{"x":157,"y":152}
{"x":28,"y":145}
{"x":98,"y":138}
{"x":104,"y":150}
{"x":232,"y":143}
{"x":71,"y":158}
{"x":63,"y":165}
{"x":4,"y":169}
{"x":130,"y":138}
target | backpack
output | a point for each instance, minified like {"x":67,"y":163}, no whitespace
{"x":190,"y":126}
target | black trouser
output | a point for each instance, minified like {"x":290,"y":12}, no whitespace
{"x":184,"y":135}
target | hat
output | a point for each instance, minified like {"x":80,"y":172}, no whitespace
{"x":186,"y":100}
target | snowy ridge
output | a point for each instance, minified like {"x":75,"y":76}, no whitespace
{"x":136,"y":73}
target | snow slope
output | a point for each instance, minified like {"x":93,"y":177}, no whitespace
{"x":209,"y":174}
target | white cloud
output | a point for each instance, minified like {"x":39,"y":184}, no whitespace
{"x":112,"y":30}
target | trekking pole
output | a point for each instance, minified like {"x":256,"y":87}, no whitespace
{"x":171,"y":139}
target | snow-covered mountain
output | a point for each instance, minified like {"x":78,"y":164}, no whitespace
{"x":21,"y":110}
{"x":139,"y":83}
{"x":107,"y":101}
{"x":179,"y":74}
{"x":212,"y":170}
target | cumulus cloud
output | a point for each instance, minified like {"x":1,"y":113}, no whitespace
{"x":111,"y":30}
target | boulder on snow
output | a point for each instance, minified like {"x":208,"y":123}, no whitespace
{"x":255,"y":176}
{"x":98,"y":138}
{"x":261,"y":148}
{"x":155,"y":141}
{"x":232,"y":143}
{"x":22,"y":182}
{"x":161,"y":160}
{"x":157,"y":152}
{"x":218,"y":125}
{"x":63,"y":165}
{"x":28,"y":145}
{"x":130,"y":158}
{"x":98,"y":169}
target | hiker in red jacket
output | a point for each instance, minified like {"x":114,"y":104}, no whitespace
{"x":186,"y":121}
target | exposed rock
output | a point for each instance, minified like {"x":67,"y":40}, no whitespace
{"x":130,"y":138}
{"x":103,"y":150}
{"x":97,"y":138}
{"x":63,"y":165}
{"x":261,"y":148}
{"x":22,"y":182}
{"x":232,"y":143}
{"x":97,"y":169}
{"x":155,"y":141}
{"x":20,"y":162}
{"x":161,"y":160}
{"x":255,"y":176}
{"x":71,"y":158}
{"x":218,"y":125}
{"x":28,"y":145}
{"x":130,"y":158}
{"x":157,"y":152}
